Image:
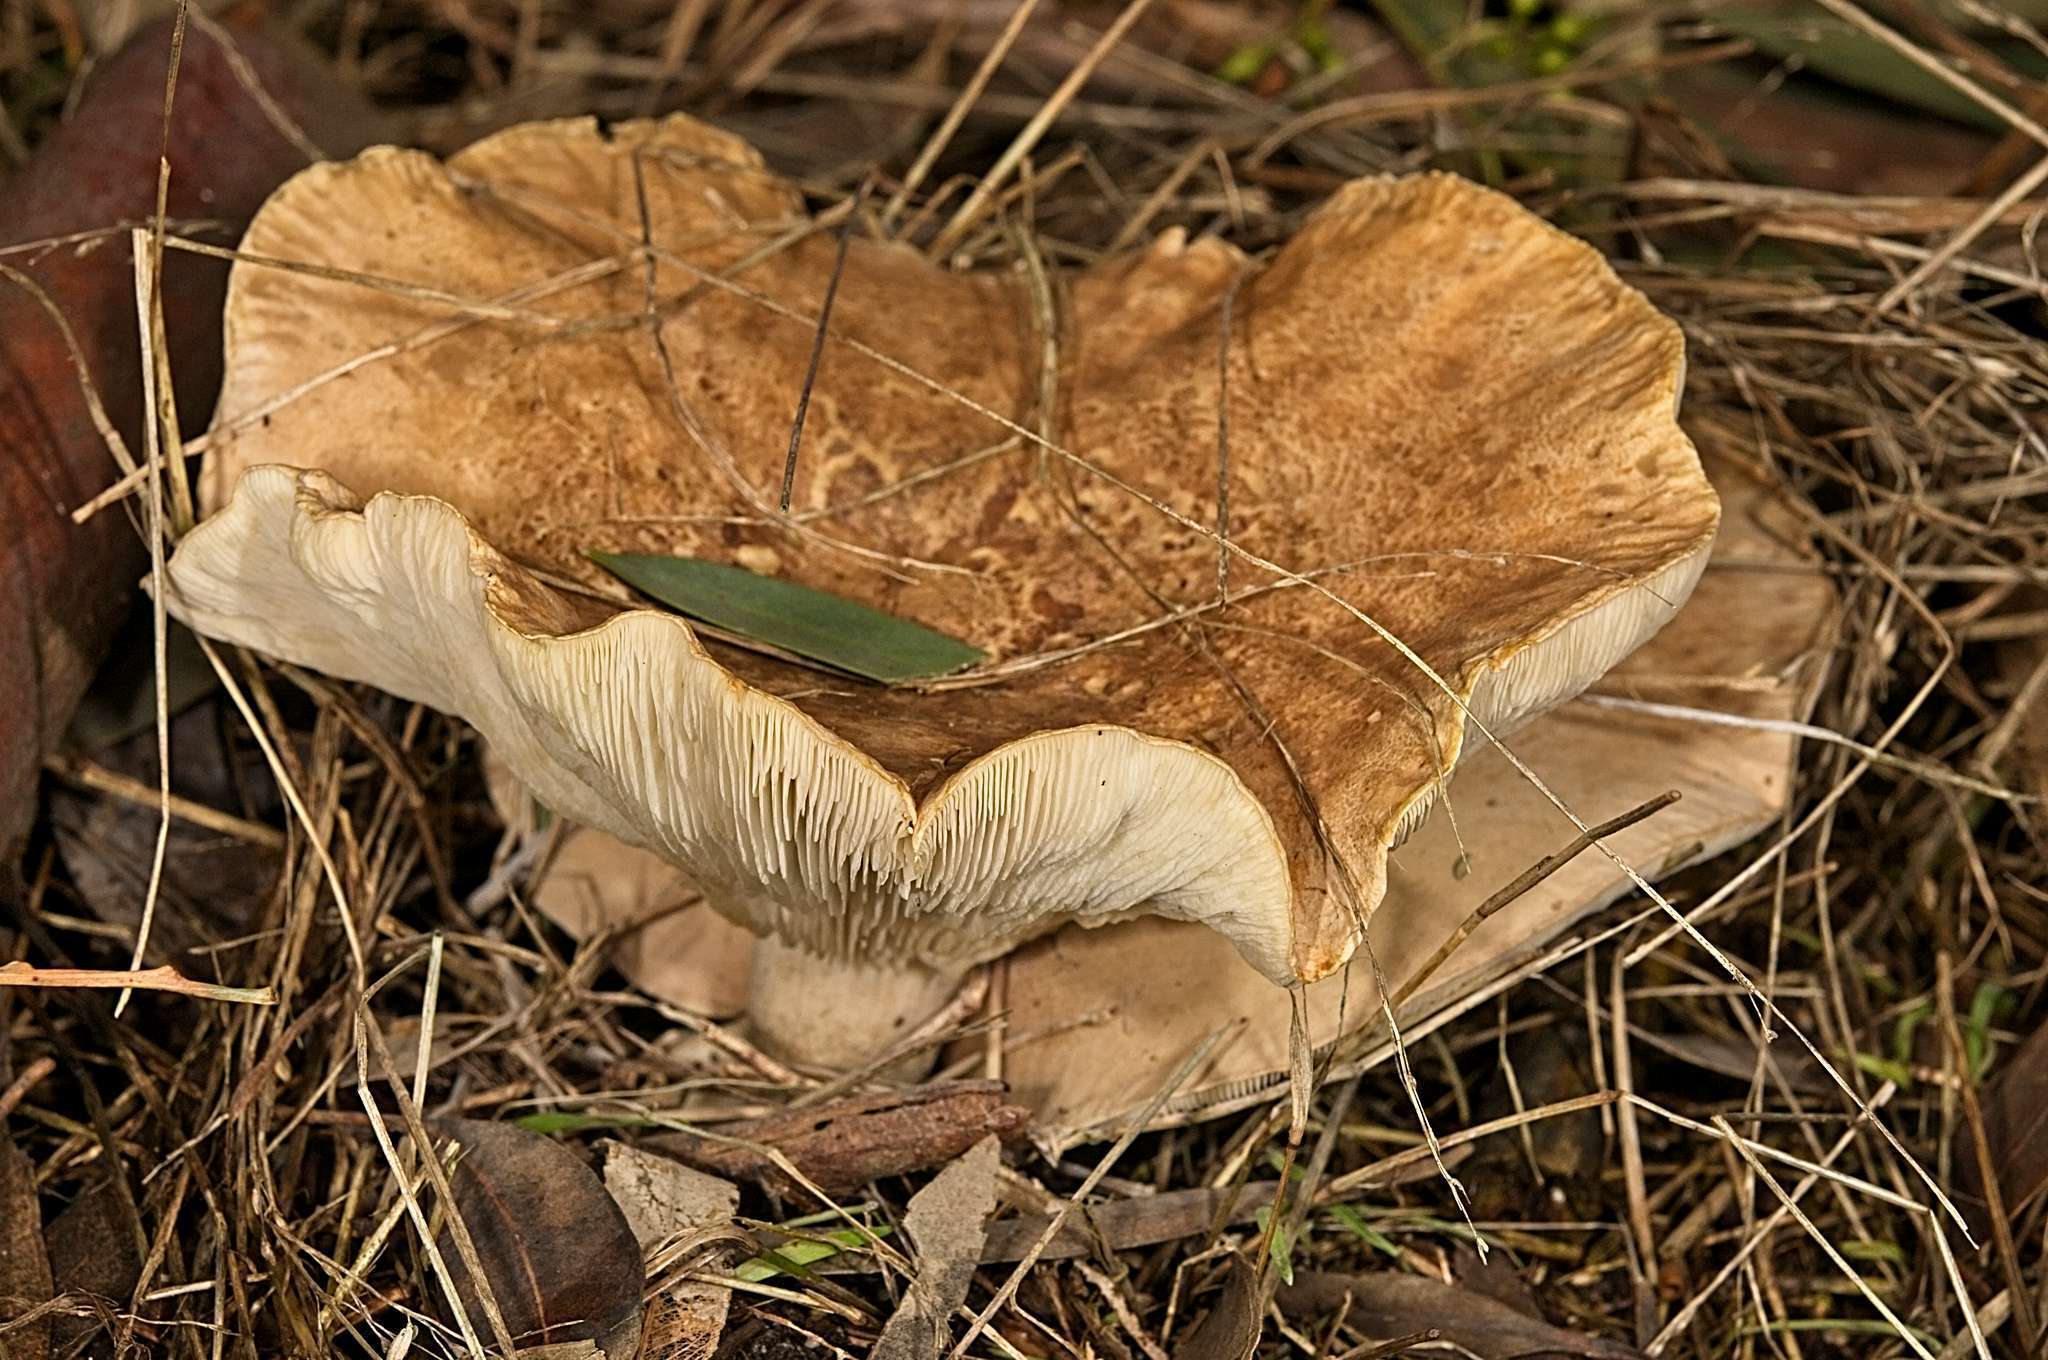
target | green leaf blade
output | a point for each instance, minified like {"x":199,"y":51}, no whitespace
{"x":814,"y":624}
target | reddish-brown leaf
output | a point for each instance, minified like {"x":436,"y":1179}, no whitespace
{"x":63,"y":586}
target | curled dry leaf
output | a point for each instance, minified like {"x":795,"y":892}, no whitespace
{"x":1389,"y":1304}
{"x":1412,"y":380}
{"x":96,"y":1256}
{"x":559,"y":1257}
{"x":1231,"y":1329}
{"x":664,"y":1201}
{"x":213,"y":884}
{"x":947,"y":1224}
{"x":841,"y":1145}
{"x":24,"y":1263}
{"x":2016,"y":1127}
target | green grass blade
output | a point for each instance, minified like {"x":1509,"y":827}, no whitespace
{"x":814,"y":624}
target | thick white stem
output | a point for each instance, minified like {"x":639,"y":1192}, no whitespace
{"x":828,"y":1013}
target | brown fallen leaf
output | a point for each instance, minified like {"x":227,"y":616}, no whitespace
{"x":556,"y":1250}
{"x":1231,"y":1331}
{"x":2016,"y":1127}
{"x":843,"y":1144}
{"x":664,"y":1200}
{"x":1125,"y":1223}
{"x":24,"y":1264}
{"x":213,"y":883}
{"x":1388,"y":1304}
{"x":946,"y":1223}
{"x":96,"y":1257}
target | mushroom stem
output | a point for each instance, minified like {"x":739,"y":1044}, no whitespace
{"x":839,"y":1013}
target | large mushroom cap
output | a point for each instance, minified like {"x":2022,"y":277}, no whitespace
{"x":1445,"y":412}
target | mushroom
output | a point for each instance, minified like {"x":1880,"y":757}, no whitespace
{"x":1105,"y":1016}
{"x":1449,"y":424}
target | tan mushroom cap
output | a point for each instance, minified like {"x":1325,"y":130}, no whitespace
{"x":1451,"y":414}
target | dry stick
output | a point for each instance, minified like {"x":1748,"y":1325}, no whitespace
{"x":155,"y":346}
{"x":1683,"y":1318}
{"x":2015,"y":193}
{"x":164,"y":979}
{"x":971,"y":211}
{"x":803,"y":400}
{"x":111,"y":437}
{"x":465,"y":1245}
{"x":1311,"y":1181}
{"x":455,"y":302}
{"x":1403,"y":103}
{"x":1381,"y":1350}
{"x":1525,"y":882}
{"x":86,"y":774}
{"x":1058,"y":1219}
{"x":1925,"y":770}
{"x":936,"y":144}
{"x":1642,"y":1235}
{"x":410,"y":1199}
{"x":245,"y":75}
{"x":1156,"y":201}
{"x":18,"y":1089}
{"x":292,"y":799}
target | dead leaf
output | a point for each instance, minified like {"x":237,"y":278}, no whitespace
{"x":843,"y":1144}
{"x":1390,"y":1305}
{"x":559,"y":1256}
{"x":946,"y":1221}
{"x":1231,"y":1331}
{"x":2016,"y":1127}
{"x":1122,"y":1224}
{"x":663,"y":1199}
{"x":24,"y":1264}
{"x":214,"y":886}
{"x":94,"y":1254}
